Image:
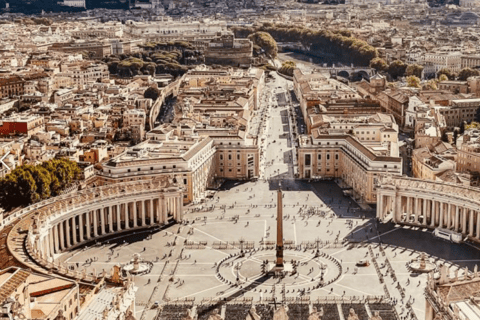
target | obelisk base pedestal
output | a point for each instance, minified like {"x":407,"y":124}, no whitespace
{"x":278,"y":271}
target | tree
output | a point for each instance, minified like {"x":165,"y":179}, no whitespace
{"x":466,"y":73}
{"x":152,"y":93}
{"x":414,"y":70}
{"x":444,"y":136}
{"x":413,"y":81}
{"x":397,"y":69}
{"x":431,"y":85}
{"x":266,"y":42}
{"x":447,"y":72}
{"x":378,"y":64}
{"x":287,"y":68}
{"x":442,"y":77}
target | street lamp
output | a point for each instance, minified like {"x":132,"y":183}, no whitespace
{"x":242,"y":253}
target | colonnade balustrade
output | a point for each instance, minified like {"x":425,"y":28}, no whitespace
{"x":75,"y":219}
{"x":430,"y":204}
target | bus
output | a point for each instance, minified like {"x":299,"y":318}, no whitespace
{"x":449,"y":235}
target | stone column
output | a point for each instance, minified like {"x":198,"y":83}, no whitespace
{"x":449,"y":216}
{"x":135,"y":214}
{"x":179,"y":208}
{"x":470,"y":223}
{"x":464,"y":220}
{"x":164,"y":211}
{"x":478,"y":224}
{"x":68,"y":242}
{"x":457,"y":217}
{"x":88,"y":225}
{"x":381,"y":209}
{"x":407,"y":211}
{"x":56,"y":240}
{"x":424,"y":213}
{"x":127,"y":222}
{"x":440,"y":222}
{"x":81,"y":225}
{"x":417,"y":209}
{"x":102,"y":221}
{"x":62,"y":235}
{"x":432,"y":214}
{"x":95,"y":223}
{"x":143,"y":204}
{"x":110,"y":219}
{"x":119,"y":219}
{"x":151,"y":211}
{"x":74,"y":233}
{"x":50,"y":239}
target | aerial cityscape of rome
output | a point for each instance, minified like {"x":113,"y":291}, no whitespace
{"x":239,"y":159}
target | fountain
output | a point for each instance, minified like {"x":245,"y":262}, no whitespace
{"x":137,"y":265}
{"x":421,"y":264}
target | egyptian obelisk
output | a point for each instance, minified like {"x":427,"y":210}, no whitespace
{"x":279,"y":264}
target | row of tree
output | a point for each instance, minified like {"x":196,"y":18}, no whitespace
{"x":339,"y":45}
{"x":398,"y":69}
{"x":29,"y":184}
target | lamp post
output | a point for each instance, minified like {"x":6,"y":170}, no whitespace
{"x":242,"y":253}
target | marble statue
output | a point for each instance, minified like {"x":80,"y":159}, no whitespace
{"x":376,"y":316}
{"x":130,"y":316}
{"x":280,"y":314}
{"x":316,"y":315}
{"x":214,"y":315}
{"x":60,"y":316}
{"x":352,"y":315}
{"x":190,"y":315}
{"x":252,"y":314}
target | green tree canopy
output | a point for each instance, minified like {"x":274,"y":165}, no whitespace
{"x":151,"y":93}
{"x":397,"y":69}
{"x":28,"y":184}
{"x":266,"y":42}
{"x":414,"y":70}
{"x":466,"y":73}
{"x":446,"y":72}
{"x":413,"y":81}
{"x":378,"y":64}
{"x":442,"y":77}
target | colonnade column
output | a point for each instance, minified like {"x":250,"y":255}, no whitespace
{"x":142,"y":211}
{"x":52,"y":241}
{"x":110,"y":219}
{"x":440,"y":222}
{"x":478,"y":225}
{"x":152,"y":212}
{"x":424,"y":211}
{"x":464,"y":220}
{"x":164,"y":210}
{"x":449,"y":215}
{"x":135,"y":214}
{"x":68,"y":242}
{"x":119,"y":219}
{"x":127,"y":222}
{"x":417,"y":209}
{"x":56,"y":238}
{"x":457,"y":217}
{"x":87,"y":225}
{"x":470,"y":223}
{"x":80,"y":222}
{"x":62,"y":236}
{"x":74,"y":229}
{"x":102,"y":221}
{"x":432,"y":214}
{"x":95,"y":223}
{"x":407,"y":212}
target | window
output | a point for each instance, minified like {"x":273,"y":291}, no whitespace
{"x":385,"y":166}
{"x":138,"y":169}
{"x":308,"y":160}
{"x":164,"y":167}
{"x":328,"y":156}
{"x":184,"y":181}
{"x":336,"y":157}
{"x":174,"y":166}
{"x":128,"y":170}
{"x":221,"y":156}
{"x":238,"y":156}
{"x":229,"y":157}
{"x":319,"y":157}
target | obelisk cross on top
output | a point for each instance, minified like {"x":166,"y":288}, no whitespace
{"x":279,"y":264}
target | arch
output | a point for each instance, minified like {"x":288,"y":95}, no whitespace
{"x":343,"y":74}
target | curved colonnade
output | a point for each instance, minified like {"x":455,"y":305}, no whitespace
{"x":430,"y":204}
{"x":75,"y":219}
